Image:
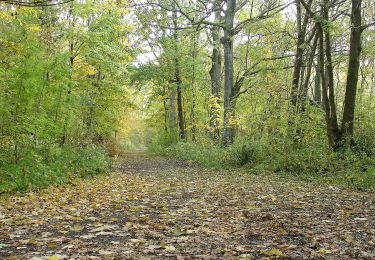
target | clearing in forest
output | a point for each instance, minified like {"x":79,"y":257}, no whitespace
{"x":160,"y":208}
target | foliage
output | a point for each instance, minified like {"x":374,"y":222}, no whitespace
{"x":313,"y":162}
{"x":63,"y":94}
{"x":63,"y":166}
{"x":271,"y":133}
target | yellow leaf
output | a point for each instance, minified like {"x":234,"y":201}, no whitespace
{"x":53,"y":257}
{"x":349,"y":239}
{"x":325,"y":251}
{"x":51,"y":244}
{"x":170,"y":248}
{"x":77,"y":228}
{"x":105,"y":253}
{"x":275,"y":252}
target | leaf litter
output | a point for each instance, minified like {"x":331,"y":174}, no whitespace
{"x":157,"y":208}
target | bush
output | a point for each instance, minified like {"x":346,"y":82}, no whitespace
{"x":244,"y":152}
{"x":162,"y":141}
{"x":34,"y":171}
{"x":207,"y":156}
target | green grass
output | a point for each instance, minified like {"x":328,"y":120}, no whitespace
{"x":317,"y":164}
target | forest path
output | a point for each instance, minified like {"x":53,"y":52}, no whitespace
{"x":160,"y":208}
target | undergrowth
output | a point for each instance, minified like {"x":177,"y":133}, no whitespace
{"x":61,"y":166}
{"x":313,"y":162}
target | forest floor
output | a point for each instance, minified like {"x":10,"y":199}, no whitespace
{"x":160,"y":208}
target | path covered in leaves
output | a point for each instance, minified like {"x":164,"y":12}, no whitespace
{"x":155,"y":208}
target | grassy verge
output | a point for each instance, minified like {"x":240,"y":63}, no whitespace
{"x":349,"y":170}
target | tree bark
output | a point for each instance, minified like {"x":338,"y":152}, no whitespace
{"x":347,"y":126}
{"x":172,"y":111}
{"x":227,"y":41}
{"x":304,"y":90}
{"x":326,"y":105}
{"x":334,"y":128}
{"x":298,"y":62}
{"x":71,"y":24}
{"x":317,"y":86}
{"x":193,"y":122}
{"x":215,"y":74}
{"x":180,"y":111}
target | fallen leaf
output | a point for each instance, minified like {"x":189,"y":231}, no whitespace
{"x":105,"y":253}
{"x":325,"y":251}
{"x":77,"y":228}
{"x":170,"y":248}
{"x":274,"y":252}
{"x":349,"y":239}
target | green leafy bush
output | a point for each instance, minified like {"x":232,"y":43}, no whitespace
{"x":244,"y":152}
{"x":34,"y":171}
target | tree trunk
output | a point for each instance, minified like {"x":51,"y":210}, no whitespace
{"x":172,"y":111}
{"x":215,"y":74}
{"x":304,"y":91}
{"x":227,"y":40}
{"x":165,"y":116}
{"x":180,"y":111}
{"x":298,"y":62}
{"x":326,"y":105}
{"x":334,"y":128}
{"x":71,"y":24}
{"x":353,"y":67}
{"x":317,"y":86}
{"x":193,"y":122}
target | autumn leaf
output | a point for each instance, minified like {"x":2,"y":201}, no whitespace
{"x":274,"y":252}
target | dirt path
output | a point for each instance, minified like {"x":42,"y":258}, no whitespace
{"x":156,"y":208}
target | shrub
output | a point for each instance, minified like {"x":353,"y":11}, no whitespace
{"x":244,"y":152}
{"x":34,"y":171}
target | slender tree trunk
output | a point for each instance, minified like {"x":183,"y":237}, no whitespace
{"x":305,"y":88}
{"x":180,"y":111}
{"x":215,"y":74}
{"x":192,"y":112}
{"x":165,"y":115}
{"x":326,"y":106}
{"x":334,"y":128}
{"x":298,"y":61}
{"x":172,"y":111}
{"x":317,"y":85}
{"x":227,"y":40}
{"x":347,"y":126}
{"x":71,"y":23}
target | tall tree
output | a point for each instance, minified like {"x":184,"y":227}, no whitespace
{"x":302,"y":23}
{"x":227,"y":41}
{"x":215,"y":73}
{"x":355,"y":48}
{"x":180,"y":110}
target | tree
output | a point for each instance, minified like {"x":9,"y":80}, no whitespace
{"x":227,"y":41}
{"x":215,"y":74}
{"x":347,"y":125}
{"x":337,"y":135}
